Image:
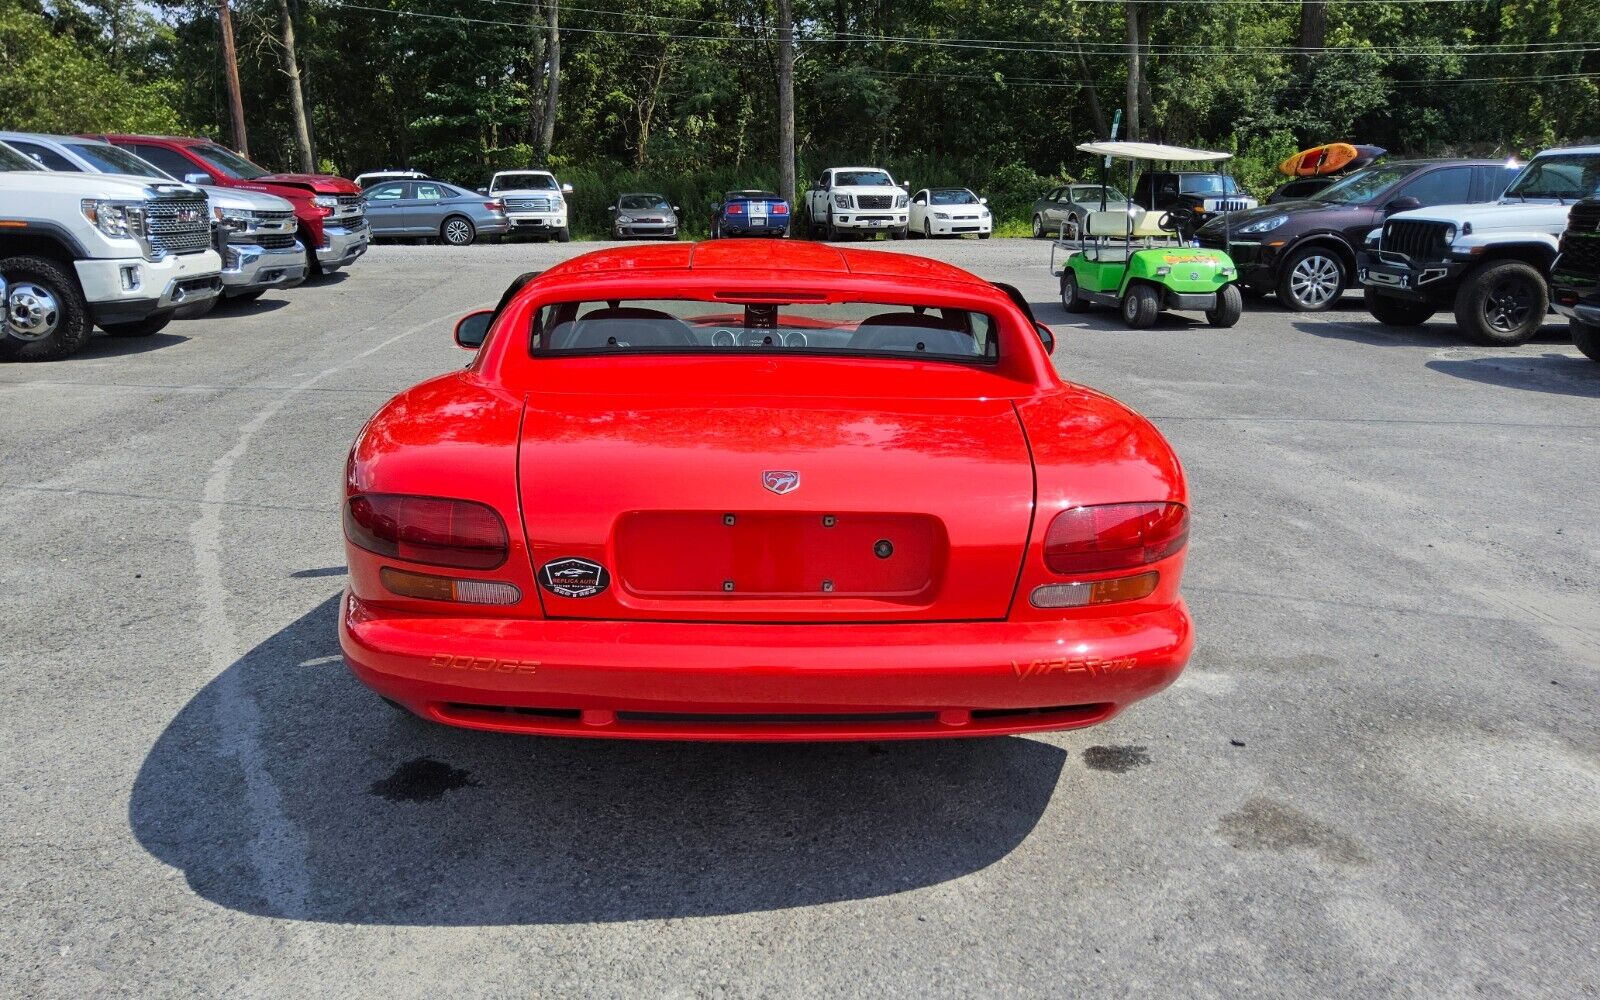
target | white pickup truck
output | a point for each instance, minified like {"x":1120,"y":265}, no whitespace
{"x":85,"y":250}
{"x":1490,"y":263}
{"x":535,"y":202}
{"x":857,"y":200}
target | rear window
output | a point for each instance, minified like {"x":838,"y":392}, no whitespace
{"x":692,"y":326}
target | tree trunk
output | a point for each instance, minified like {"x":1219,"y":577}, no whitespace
{"x":786,"y":178}
{"x":1135,"y":70}
{"x":1091,"y":95}
{"x":646,"y":109}
{"x":1313,"y":34}
{"x":536,"y":20}
{"x":297,"y":101}
{"x":230,"y":72}
{"x":552,"y":92}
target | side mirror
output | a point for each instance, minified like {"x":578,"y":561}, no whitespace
{"x":473,"y":328}
{"x":196,"y":177}
{"x":483,"y":190}
{"x":1045,"y":337}
{"x":1405,"y":204}
{"x":566,"y":189}
{"x":676,"y":209}
{"x":611,"y":208}
{"x":983,"y":201}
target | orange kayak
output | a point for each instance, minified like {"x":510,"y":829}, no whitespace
{"x":1318,"y":160}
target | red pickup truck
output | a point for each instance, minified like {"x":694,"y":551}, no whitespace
{"x":333,"y":224}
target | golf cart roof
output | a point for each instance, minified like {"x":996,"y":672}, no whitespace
{"x":1152,"y":151}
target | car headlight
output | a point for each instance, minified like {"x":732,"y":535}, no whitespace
{"x":902,"y":201}
{"x":1266,"y":225}
{"x":234,"y":219}
{"x":941,"y":215}
{"x":841,"y":201}
{"x":123,"y":220}
{"x":625,"y":219}
{"x":328,"y":201}
{"x":1449,"y":234}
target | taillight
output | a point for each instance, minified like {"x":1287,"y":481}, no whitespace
{"x":736,"y":209}
{"x":431,"y":530}
{"x":779,"y":208}
{"x":495,"y":206}
{"x":1114,"y":536}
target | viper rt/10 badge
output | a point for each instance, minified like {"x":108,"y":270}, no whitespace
{"x":574,"y":577}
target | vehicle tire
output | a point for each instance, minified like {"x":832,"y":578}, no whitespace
{"x":983,"y":236}
{"x":54,"y":317}
{"x":1073,"y":229}
{"x":815,"y":230}
{"x":313,"y":266}
{"x":1390,"y":311}
{"x":829,"y":233}
{"x":197,"y":310}
{"x":1141,"y":306}
{"x":1502,"y":303}
{"x":1038,"y":226}
{"x":1312,"y":280}
{"x":716,"y":230}
{"x":141,"y":328}
{"x":1586,"y":337}
{"x":458,"y":231}
{"x":1230,"y":306}
{"x":1072,"y":299}
{"x":564,"y":235}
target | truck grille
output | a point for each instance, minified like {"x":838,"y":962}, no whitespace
{"x":276,"y":216}
{"x":276,"y":241}
{"x":1233,"y":206}
{"x":1416,"y":239}
{"x":177,"y":226}
{"x":878,"y":201}
{"x":530,"y":204}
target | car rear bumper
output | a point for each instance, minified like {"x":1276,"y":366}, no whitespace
{"x":663,"y":680}
{"x":247,"y":267}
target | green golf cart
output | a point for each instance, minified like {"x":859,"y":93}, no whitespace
{"x":1135,"y":260}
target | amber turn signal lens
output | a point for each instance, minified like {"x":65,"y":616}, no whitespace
{"x":439,"y":588}
{"x":1080,"y":595}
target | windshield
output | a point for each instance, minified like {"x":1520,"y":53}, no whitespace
{"x":644,"y":203}
{"x":1565,"y":176}
{"x":685,"y":326}
{"x":1364,"y":186}
{"x":1207,"y":184}
{"x":11,"y":160}
{"x":116,"y":160}
{"x":523,"y":182}
{"x":862,"y":178}
{"x":1091,"y":192}
{"x":952,"y":196}
{"x":227,"y":162}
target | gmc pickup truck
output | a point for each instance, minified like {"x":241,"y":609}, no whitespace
{"x":85,"y":250}
{"x":258,"y":246}
{"x":857,"y":200}
{"x":332,"y":223}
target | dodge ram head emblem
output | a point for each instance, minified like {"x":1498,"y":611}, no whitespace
{"x":780,"y":482}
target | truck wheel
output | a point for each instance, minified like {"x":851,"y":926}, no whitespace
{"x":1390,"y":311}
{"x":46,"y":316}
{"x":1586,"y":338}
{"x":141,"y":328}
{"x":1038,"y":227}
{"x":458,"y":231}
{"x":1230,"y":306}
{"x":1072,"y":299}
{"x":563,"y":235}
{"x":829,"y":231}
{"x":898,"y":234}
{"x":1312,"y":280}
{"x":1141,"y":306}
{"x":1502,"y":303}
{"x":313,"y":266}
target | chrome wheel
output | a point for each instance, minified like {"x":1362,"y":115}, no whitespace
{"x":1315,"y":281}
{"x":32,"y":311}
{"x":1038,"y":227}
{"x":458,"y":232}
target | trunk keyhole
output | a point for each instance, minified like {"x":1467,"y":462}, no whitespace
{"x":883,"y":549}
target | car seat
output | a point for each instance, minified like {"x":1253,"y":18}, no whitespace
{"x":624,"y":326}
{"x":910,"y":331}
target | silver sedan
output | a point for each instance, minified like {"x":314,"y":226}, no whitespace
{"x":433,"y":209}
{"x":1066,"y":207}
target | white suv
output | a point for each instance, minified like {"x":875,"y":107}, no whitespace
{"x":535,"y":202}
{"x":85,"y":250}
{"x":857,"y":200}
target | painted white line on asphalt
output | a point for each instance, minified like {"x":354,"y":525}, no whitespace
{"x":277,"y":851}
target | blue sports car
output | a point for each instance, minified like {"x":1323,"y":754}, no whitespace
{"x":750,"y":213}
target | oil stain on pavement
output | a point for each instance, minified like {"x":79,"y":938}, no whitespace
{"x":1263,"y":824}
{"x":1117,"y":760}
{"x":422,"y":780}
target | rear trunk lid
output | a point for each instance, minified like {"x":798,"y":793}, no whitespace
{"x":774,"y":508}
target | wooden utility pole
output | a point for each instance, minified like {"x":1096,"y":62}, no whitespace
{"x":786,"y":178}
{"x":230,"y":61}
{"x":552,"y":93}
{"x":297,"y":100}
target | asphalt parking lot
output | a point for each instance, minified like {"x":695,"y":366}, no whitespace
{"x":1378,"y":777}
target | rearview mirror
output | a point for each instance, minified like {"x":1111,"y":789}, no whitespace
{"x":473,"y":328}
{"x":196,"y":178}
{"x":1045,"y":337}
{"x":1405,"y":204}
{"x":566,"y":189}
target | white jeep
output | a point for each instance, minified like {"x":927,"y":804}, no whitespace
{"x":1488,"y":263}
{"x":85,"y":250}
{"x":857,"y":200}
{"x":534,"y":200}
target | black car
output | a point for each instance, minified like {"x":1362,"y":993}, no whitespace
{"x":1305,"y":251}
{"x":1301,"y":188}
{"x":1575,"y":279}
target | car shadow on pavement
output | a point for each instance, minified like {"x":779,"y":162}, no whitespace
{"x":1442,"y":332}
{"x":1561,"y":374}
{"x":253,"y":307}
{"x":286,"y":789}
{"x":107,"y":346}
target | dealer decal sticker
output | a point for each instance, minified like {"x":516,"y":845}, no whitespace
{"x":573,"y":577}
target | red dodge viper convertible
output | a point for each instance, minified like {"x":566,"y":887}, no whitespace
{"x":773,"y":491}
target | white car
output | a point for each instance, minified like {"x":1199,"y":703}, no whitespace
{"x":535,"y":202}
{"x":950,"y":212}
{"x":856,"y":200}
